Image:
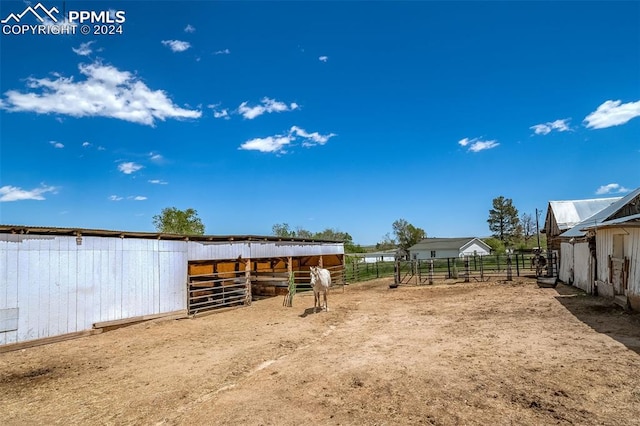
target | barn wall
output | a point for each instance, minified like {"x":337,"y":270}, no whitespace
{"x":50,"y":285}
{"x":257,"y":249}
{"x":582,"y":267}
{"x":633,"y":250}
{"x":60,"y":287}
{"x":566,"y":263}
{"x":604,"y":248}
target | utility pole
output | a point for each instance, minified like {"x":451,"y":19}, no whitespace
{"x":538,"y":229}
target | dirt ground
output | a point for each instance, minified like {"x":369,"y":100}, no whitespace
{"x":448,"y":354}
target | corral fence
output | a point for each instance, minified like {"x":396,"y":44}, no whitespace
{"x":469,"y":268}
{"x":363,"y":271}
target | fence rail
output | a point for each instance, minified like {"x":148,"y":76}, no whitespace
{"x":477,"y":268}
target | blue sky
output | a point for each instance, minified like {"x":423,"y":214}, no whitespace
{"x":347,"y":115}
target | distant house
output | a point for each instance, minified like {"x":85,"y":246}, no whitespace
{"x":602,"y":253}
{"x":373,"y":257}
{"x":431,"y":248}
{"x":564,"y":215}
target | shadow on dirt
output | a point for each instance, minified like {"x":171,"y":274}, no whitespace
{"x":308,"y":312}
{"x":602,"y":315}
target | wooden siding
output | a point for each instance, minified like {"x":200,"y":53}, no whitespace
{"x":576,"y":264}
{"x":604,"y":248}
{"x":60,"y":287}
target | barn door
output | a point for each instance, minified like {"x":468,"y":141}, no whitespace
{"x":617,"y":265}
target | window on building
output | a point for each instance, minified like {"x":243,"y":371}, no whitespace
{"x":433,"y":253}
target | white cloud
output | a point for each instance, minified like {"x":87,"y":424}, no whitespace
{"x":138,"y":198}
{"x":157,"y":182}
{"x":106,"y":92}
{"x":268,"y":144}
{"x":268,"y":106}
{"x":57,"y":145}
{"x":612,"y":113}
{"x":311,"y":139}
{"x":546,"y":128}
{"x":114,"y":198}
{"x":129,"y":167}
{"x":221,"y":114}
{"x":84,"y":49}
{"x":177,"y":45}
{"x":189,"y":29}
{"x":477,"y":145}
{"x":154,"y":156}
{"x":14,"y":193}
{"x":222,"y":52}
{"x":86,"y":144}
{"x":611,"y":189}
{"x":277,"y":143}
{"x":323,"y":58}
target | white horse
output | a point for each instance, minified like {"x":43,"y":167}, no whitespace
{"x":320,"y":282}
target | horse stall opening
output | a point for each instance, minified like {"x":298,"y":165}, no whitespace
{"x":216,"y":284}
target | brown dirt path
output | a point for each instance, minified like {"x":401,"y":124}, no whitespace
{"x":474,"y":354}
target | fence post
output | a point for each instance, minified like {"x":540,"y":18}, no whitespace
{"x":396,"y":272}
{"x":517,"y":266}
{"x":377,"y":271}
{"x":430,"y":271}
{"x":498,"y":262}
{"x":448,"y":268}
{"x":482,"y":268}
{"x":509,"y":272}
{"x":467,"y":271}
{"x":475,"y":263}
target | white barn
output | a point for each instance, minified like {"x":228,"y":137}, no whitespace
{"x":588,"y":248}
{"x":67,"y":282}
{"x":431,"y":248}
{"x":618,"y":259}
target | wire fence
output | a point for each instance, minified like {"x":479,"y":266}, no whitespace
{"x":477,"y":268}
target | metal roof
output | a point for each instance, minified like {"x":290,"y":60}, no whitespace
{"x":571,"y":212}
{"x":633,"y":220}
{"x":601,"y":216}
{"x":48,"y":230}
{"x":445,"y":243}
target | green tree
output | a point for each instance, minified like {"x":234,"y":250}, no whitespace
{"x":282,"y":230}
{"x":303,"y":233}
{"x":496,"y":245}
{"x":528,"y":226}
{"x":407,"y":234}
{"x":174,"y":221}
{"x":387,"y":243}
{"x":503,"y":220}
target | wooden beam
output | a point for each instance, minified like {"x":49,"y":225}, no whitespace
{"x":247,"y":275}
{"x":124,"y":321}
{"x":47,"y":340}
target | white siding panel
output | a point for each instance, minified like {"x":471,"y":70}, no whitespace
{"x":632,"y":251}
{"x":173,"y":281}
{"x":582,"y":266}
{"x":85,"y":297}
{"x":566,"y":262}
{"x":258,"y":249}
{"x":604,"y":247}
